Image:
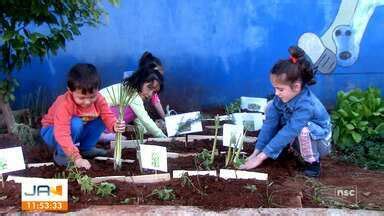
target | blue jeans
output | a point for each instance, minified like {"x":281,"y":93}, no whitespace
{"x":86,"y":134}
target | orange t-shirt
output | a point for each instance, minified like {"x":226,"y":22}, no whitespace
{"x":60,"y":115}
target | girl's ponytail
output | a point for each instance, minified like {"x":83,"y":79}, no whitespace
{"x":297,"y":56}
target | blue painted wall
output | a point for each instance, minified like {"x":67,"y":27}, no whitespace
{"x":212,"y":51}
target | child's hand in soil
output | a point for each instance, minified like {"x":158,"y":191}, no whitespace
{"x":82,"y":163}
{"x":254,"y":162}
{"x":254,"y":154}
{"x":119,"y":126}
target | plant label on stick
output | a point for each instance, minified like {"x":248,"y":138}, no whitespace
{"x":183,"y":123}
{"x":11,"y":159}
{"x":253,"y":104}
{"x":154,"y":157}
{"x":250,"y":121}
{"x":231,"y":134}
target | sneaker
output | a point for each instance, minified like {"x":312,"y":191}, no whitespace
{"x":94,"y":152}
{"x":107,"y":137}
{"x":312,"y":169}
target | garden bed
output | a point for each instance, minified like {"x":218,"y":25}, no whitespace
{"x":286,"y":187}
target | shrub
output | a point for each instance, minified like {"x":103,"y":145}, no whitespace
{"x":358,"y":121}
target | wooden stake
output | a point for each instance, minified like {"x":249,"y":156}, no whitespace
{"x":186,"y":140}
{"x":2,"y":181}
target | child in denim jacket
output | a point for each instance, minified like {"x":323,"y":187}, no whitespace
{"x":295,"y":116}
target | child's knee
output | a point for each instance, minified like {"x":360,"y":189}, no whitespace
{"x":305,"y":131}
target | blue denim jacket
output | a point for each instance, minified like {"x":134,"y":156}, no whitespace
{"x":284,"y":122}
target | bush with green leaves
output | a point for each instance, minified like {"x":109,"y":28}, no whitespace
{"x":165,"y":194}
{"x":105,"y":189}
{"x":233,"y":107}
{"x":358,"y":122}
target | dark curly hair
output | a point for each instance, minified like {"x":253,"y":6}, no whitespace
{"x":297,"y":68}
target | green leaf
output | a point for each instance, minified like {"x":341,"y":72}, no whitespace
{"x":343,"y":112}
{"x":380,"y":128}
{"x":350,"y":126}
{"x":356,"y":137}
{"x":354,"y":99}
{"x":336,"y":133}
{"x":8,"y":35}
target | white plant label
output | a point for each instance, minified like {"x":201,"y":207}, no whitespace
{"x":154,"y":157}
{"x":250,"y":121}
{"x":183,"y":123}
{"x":253,"y":104}
{"x":232,"y":134}
{"x":11,"y":159}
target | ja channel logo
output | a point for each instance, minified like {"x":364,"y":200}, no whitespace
{"x":44,"y":195}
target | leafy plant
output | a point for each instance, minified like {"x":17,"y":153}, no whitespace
{"x":358,"y":121}
{"x":37,"y":105}
{"x":74,"y":174}
{"x":24,"y":133}
{"x":233,"y":107}
{"x":37,"y":28}
{"x":204,"y":159}
{"x":120,"y":97}
{"x":358,"y":115}
{"x":86,"y":184}
{"x":252,"y":188}
{"x":105,"y":189}
{"x":165,"y":194}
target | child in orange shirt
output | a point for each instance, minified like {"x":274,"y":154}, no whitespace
{"x":79,"y":116}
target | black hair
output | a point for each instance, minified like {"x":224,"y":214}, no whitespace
{"x":147,"y":60}
{"x":85,"y":77}
{"x":297,"y":68}
{"x":143,"y":75}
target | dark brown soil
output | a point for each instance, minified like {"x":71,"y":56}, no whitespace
{"x":286,"y":186}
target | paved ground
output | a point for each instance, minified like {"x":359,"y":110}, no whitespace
{"x":186,"y":210}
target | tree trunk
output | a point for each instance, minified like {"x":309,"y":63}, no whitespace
{"x":7,"y":114}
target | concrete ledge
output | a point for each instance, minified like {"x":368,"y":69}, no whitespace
{"x":190,"y":210}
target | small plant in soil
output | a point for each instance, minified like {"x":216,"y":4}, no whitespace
{"x":128,"y":200}
{"x":24,"y":133}
{"x":121,"y":98}
{"x":86,"y":184}
{"x":165,"y":194}
{"x":205,"y":158}
{"x":75,"y":199}
{"x":233,"y":155}
{"x":233,"y":107}
{"x":105,"y":189}
{"x":269,"y":194}
{"x":186,"y":181}
{"x":252,"y":188}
